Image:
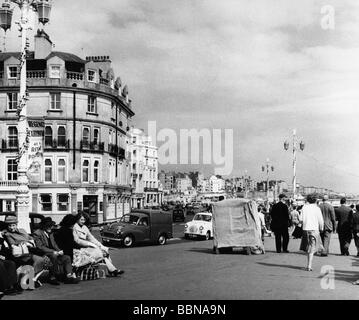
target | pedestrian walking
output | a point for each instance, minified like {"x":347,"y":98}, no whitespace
{"x":329,"y":224}
{"x":313,"y":223}
{"x":354,"y":225}
{"x":343,"y":228}
{"x":281,"y":221}
{"x":295,"y":218}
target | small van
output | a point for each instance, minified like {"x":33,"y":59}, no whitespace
{"x":144,"y":225}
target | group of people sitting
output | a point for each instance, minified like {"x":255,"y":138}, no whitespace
{"x":60,"y":252}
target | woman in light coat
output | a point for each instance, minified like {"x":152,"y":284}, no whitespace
{"x":91,"y":250}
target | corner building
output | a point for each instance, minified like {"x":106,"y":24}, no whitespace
{"x":83,"y":115}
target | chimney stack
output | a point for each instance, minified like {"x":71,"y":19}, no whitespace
{"x":43,"y":45}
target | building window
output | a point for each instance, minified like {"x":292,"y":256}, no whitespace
{"x":113,"y":112}
{"x":48,"y":136}
{"x":134,"y":140}
{"x":85,"y":171}
{"x":46,"y":202}
{"x":12,"y":137}
{"x":61,"y":170}
{"x":48,"y":170}
{"x":55,"y":72}
{"x":62,"y":202}
{"x":96,"y":136}
{"x":11,"y":170}
{"x":86,"y":137}
{"x":96,"y":171}
{"x":91,"y":104}
{"x":61,"y":136}
{"x":55,"y":101}
{"x":8,"y":207}
{"x":91,"y":75}
{"x":12,"y":98}
{"x":12,"y":72}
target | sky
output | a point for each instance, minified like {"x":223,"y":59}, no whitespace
{"x":259,"y":67}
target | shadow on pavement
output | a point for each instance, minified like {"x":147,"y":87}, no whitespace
{"x":280,"y":265}
{"x":290,"y":252}
{"x":201,"y":250}
{"x":223,"y":251}
{"x":347,"y":276}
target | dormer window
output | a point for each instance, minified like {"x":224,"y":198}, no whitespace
{"x":13,"y":72}
{"x":91,"y":75}
{"x":55,"y":72}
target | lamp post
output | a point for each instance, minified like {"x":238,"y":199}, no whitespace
{"x":267,"y":168}
{"x":43,"y":8}
{"x":296,"y":146}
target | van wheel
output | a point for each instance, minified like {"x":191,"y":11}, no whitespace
{"x":128,"y":241}
{"x":162,"y":240}
{"x":208,"y":235}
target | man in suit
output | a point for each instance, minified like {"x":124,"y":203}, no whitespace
{"x":47,"y":246}
{"x":329,"y":224}
{"x":342,"y":215}
{"x":281,"y":220}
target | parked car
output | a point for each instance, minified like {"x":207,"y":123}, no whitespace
{"x":139,"y":226}
{"x":35,"y":220}
{"x":178,"y":214}
{"x":201,"y":226}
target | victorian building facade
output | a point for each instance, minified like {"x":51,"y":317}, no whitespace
{"x":146,"y":191}
{"x":79,"y":118}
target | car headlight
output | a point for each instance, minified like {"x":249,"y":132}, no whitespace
{"x":101,"y":229}
{"x":186,"y":226}
{"x":201,"y":228}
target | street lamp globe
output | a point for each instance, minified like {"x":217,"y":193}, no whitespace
{"x":5,"y":16}
{"x":286,"y":145}
{"x":302,"y":145}
{"x":43,"y":8}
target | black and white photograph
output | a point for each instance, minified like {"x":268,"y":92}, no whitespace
{"x":193,"y":152}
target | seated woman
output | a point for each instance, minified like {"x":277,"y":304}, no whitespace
{"x":8,"y":276}
{"x":15,"y":237}
{"x":91,"y":251}
{"x":64,"y":237}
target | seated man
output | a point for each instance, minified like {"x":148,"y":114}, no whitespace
{"x":19,"y":239}
{"x":46,"y":245}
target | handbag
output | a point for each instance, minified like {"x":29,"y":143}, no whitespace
{"x":20,"y":250}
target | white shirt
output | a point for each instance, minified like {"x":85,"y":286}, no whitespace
{"x":312,"y":217}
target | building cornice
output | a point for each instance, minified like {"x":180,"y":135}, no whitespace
{"x":89,"y":91}
{"x":67,"y":119}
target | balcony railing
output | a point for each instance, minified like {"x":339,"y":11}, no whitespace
{"x":74,"y":75}
{"x":57,"y":144}
{"x":92,"y":145}
{"x":37,"y":74}
{"x":150,"y":189}
{"x":8,"y":184}
{"x":116,"y":151}
{"x":9,"y":145}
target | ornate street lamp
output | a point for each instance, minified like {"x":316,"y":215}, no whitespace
{"x":44,"y":7}
{"x":296,"y":146}
{"x":267,"y":168}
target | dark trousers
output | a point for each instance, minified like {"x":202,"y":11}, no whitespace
{"x":356,"y":239}
{"x":281,"y":239}
{"x":326,"y":235}
{"x":8,"y":276}
{"x":344,"y":240}
{"x":61,"y":265}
